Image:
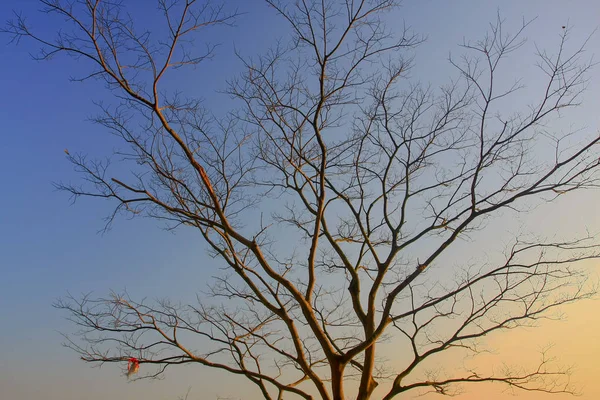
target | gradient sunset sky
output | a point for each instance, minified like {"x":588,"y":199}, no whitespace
{"x":49,"y":248}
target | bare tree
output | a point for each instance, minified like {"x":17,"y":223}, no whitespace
{"x":371,"y":176}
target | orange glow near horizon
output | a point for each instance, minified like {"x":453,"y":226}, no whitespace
{"x":573,"y":341}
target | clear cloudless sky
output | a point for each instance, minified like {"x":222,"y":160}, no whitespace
{"x":48,"y":247}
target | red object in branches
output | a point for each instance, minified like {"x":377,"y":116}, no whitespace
{"x":133,"y":366}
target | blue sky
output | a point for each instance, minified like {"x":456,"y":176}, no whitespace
{"x":48,"y":247}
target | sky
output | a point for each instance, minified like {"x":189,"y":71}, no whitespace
{"x":49,"y":247}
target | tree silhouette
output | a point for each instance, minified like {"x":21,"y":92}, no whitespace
{"x":371,"y":177}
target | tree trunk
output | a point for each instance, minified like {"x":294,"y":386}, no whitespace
{"x":337,"y":380}
{"x":367,"y":383}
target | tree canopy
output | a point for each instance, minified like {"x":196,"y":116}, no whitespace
{"x":330,"y":194}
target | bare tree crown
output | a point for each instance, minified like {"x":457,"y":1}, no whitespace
{"x":316,"y":191}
